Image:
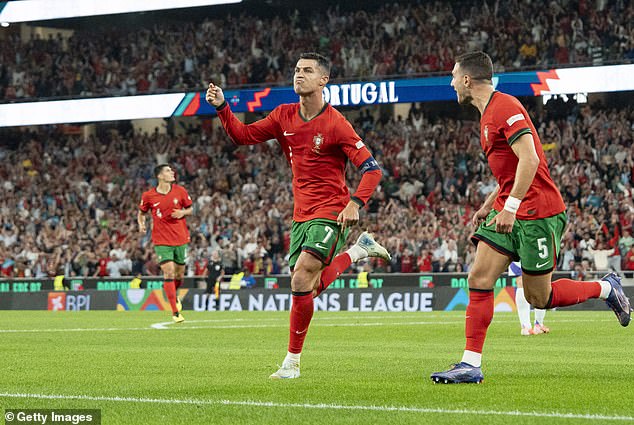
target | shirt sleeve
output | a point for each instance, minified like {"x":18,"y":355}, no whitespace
{"x":186,"y":200}
{"x":248,"y":134}
{"x":513,"y":122}
{"x":144,"y":205}
{"x":351,"y":144}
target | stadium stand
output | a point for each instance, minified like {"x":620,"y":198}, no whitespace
{"x":70,"y":203}
{"x":394,"y":39}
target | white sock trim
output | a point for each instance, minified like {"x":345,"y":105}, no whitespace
{"x":357,"y":253}
{"x":539,"y":316}
{"x":292,"y":357}
{"x":606,"y":288}
{"x":472,"y":358}
{"x":523,"y":308}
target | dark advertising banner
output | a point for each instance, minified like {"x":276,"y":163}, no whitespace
{"x":442,"y":298}
{"x":60,"y":301}
{"x":336,"y":300}
{"x":346,"y":281}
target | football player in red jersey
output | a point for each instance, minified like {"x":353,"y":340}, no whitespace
{"x":169,"y":204}
{"x":317,"y":142}
{"x":523,"y":219}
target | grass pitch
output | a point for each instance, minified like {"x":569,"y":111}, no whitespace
{"x":357,"y":368}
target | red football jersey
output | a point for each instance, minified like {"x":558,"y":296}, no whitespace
{"x":317,"y":151}
{"x":167,"y":230}
{"x":504,"y":120}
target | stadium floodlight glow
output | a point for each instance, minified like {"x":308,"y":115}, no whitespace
{"x":90,"y":110}
{"x":41,"y":10}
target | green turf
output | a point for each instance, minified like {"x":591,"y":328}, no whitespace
{"x":585,"y":366}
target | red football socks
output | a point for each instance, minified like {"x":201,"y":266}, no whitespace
{"x":570,"y":292}
{"x":170,"y":292}
{"x":478,"y":318}
{"x":301,"y":315}
{"x":329,"y":274}
{"x":178,"y":283}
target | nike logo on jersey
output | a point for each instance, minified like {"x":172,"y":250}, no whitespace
{"x":540,"y":265}
{"x":156,"y":205}
{"x":318,"y":245}
{"x":286,"y":133}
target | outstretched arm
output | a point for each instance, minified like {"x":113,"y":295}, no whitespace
{"x":240,"y":133}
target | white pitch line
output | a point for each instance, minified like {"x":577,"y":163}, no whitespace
{"x":325,"y":406}
{"x":163,"y":325}
{"x":459,"y":321}
{"x":181,"y":327}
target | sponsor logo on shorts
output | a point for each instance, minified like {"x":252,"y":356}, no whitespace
{"x":540,"y":265}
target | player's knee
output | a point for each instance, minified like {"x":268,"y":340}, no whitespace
{"x":303,"y":279}
{"x":478,"y":282}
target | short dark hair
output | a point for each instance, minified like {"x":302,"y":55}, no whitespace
{"x":159,"y":168}
{"x":322,"y":61}
{"x":477,"y":65}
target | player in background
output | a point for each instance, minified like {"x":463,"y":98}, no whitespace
{"x":523,"y":307}
{"x":168,"y":204}
{"x":215,"y":273}
{"x":317,"y":142}
{"x":523,"y":219}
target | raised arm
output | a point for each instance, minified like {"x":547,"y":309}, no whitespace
{"x":240,"y":133}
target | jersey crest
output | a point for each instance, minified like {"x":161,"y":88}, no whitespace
{"x":318,"y":141}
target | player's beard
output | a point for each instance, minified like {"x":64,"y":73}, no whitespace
{"x":464,"y":97}
{"x":466,"y":100}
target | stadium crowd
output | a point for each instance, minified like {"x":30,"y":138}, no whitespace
{"x":395,"y":39}
{"x":70,"y":204}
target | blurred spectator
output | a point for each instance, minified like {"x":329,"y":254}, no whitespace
{"x":70,"y":204}
{"x":256,"y":47}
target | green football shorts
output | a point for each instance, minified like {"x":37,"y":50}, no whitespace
{"x":535,"y":243}
{"x":177,"y":254}
{"x":321,"y":237}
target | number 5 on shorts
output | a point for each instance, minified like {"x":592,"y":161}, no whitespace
{"x":542,"y":247}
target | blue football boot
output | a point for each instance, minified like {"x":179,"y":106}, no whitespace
{"x":460,"y":373}
{"x":617,"y":301}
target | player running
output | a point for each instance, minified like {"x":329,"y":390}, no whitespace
{"x":523,"y":219}
{"x":524,"y":308}
{"x":317,"y":142}
{"x":169,"y":204}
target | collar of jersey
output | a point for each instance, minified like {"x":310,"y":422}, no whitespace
{"x":299,"y":111}
{"x":487,"y":105}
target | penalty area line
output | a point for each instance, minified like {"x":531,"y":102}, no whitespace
{"x":325,"y":406}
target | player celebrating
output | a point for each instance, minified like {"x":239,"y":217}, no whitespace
{"x":523,"y":219}
{"x":169,"y":204}
{"x":317,"y":141}
{"x":524,"y":308}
